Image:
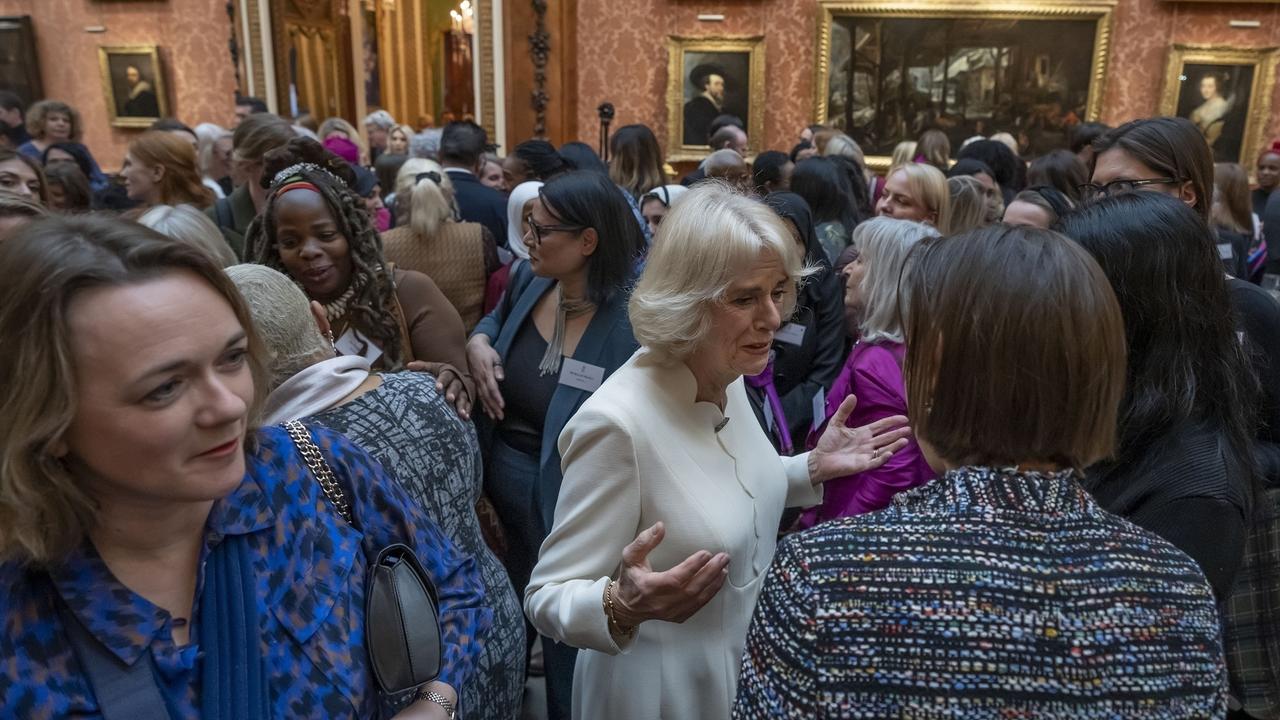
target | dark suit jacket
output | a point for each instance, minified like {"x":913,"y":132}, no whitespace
{"x":608,"y":343}
{"x":480,"y":204}
{"x":232,"y":215}
{"x":698,"y":115}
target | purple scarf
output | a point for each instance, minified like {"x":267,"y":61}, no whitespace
{"x":764,"y":381}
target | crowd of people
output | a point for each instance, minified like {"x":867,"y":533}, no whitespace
{"x":975,"y":436}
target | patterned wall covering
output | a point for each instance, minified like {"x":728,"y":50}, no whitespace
{"x":192,"y":35}
{"x":622,"y":58}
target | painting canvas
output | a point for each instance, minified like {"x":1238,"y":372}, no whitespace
{"x":890,"y":75}
{"x":709,"y":77}
{"x":133,"y":84}
{"x":1225,"y":93}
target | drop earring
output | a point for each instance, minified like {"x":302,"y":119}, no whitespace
{"x":328,"y":335}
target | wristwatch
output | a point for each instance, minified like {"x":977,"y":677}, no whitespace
{"x":437,"y":698}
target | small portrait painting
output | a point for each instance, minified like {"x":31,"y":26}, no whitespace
{"x":708,"y":78}
{"x":1225,"y":92}
{"x":133,"y":85}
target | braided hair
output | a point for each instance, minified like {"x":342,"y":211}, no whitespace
{"x":371,"y":309}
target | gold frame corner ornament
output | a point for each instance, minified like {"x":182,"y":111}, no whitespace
{"x":677,"y":46}
{"x":108,"y":89}
{"x":1102,"y":12}
{"x":1264,"y":61}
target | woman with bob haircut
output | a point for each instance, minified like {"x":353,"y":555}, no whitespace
{"x":559,"y":331}
{"x":458,"y":256}
{"x":667,"y":463}
{"x":1184,"y":464}
{"x":1003,"y":583}
{"x":917,"y":192}
{"x":148,"y":526}
{"x":873,"y":371}
{"x":160,"y":168}
{"x":635,"y":162}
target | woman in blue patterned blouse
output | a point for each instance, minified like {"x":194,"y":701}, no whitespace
{"x":1001,"y":589}
{"x":147,"y":528}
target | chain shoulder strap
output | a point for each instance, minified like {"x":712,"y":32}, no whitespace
{"x":319,"y":467}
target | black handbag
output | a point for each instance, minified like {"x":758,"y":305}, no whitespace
{"x":402,"y":612}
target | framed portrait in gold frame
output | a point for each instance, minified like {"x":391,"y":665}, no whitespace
{"x":888,"y":71}
{"x":133,"y":82}
{"x":707,"y":77}
{"x":1225,"y":92}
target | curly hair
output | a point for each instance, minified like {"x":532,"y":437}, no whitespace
{"x":372,"y":307}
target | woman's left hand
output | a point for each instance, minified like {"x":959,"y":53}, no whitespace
{"x":843,"y":451}
{"x":450,"y":382}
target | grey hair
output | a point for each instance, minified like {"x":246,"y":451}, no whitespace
{"x":426,"y":144}
{"x":380,"y":118}
{"x":188,"y":225}
{"x":883,"y":244}
{"x":706,"y":242}
{"x":282,"y":316}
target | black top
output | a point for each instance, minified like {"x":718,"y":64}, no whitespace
{"x":1187,"y":490}
{"x":1258,"y":320}
{"x":478,"y":203}
{"x":1259,"y":198}
{"x":699,"y":113}
{"x":1270,"y":217}
{"x":1233,"y":250}
{"x":527,"y":394}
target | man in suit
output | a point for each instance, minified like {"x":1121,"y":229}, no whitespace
{"x":701,"y":110}
{"x":462,"y":156}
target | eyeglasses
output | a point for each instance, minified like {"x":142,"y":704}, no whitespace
{"x":540,"y":231}
{"x":1119,"y":187}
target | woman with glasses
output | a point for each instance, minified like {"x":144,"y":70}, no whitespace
{"x":560,"y":330}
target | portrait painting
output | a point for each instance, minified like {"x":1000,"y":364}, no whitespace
{"x":708,"y":78}
{"x":888,"y":73}
{"x":133,"y":84}
{"x":1225,"y":93}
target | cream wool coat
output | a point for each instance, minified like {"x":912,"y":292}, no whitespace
{"x":642,"y":450}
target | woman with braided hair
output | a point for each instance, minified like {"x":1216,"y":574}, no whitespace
{"x":315,"y":228}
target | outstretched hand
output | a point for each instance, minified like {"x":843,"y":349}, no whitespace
{"x":673,"y":595}
{"x":845,"y":451}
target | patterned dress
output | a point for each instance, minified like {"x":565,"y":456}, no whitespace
{"x":983,"y":594}
{"x":408,"y":427}
{"x":310,"y":567}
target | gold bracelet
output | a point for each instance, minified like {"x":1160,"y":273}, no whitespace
{"x":614,"y":626}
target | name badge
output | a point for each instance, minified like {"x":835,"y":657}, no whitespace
{"x":353,"y":342}
{"x":791,"y":334}
{"x":819,"y":408}
{"x":580,"y":375}
{"x":1225,"y":252}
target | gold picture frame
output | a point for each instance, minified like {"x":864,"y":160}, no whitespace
{"x":130,"y":103}
{"x":1234,"y":132}
{"x":734,"y":56}
{"x":1098,"y":13}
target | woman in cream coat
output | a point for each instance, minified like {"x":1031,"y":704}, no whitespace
{"x":672,"y":494}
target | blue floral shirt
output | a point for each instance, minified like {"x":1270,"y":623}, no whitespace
{"x":310,"y":568}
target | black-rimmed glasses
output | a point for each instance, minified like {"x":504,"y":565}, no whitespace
{"x":1093,"y":191}
{"x":540,"y":231}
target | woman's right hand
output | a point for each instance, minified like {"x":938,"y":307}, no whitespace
{"x":674,"y":595}
{"x":486,"y":367}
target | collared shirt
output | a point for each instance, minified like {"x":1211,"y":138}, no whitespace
{"x":310,"y":567}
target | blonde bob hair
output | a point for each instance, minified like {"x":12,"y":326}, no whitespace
{"x":709,"y":239}
{"x":929,"y":188}
{"x":185,"y":223}
{"x":883,"y":245}
{"x":427,"y":202}
{"x":45,"y":508}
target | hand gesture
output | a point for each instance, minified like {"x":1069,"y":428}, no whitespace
{"x":486,"y":365}
{"x":674,"y":595}
{"x":845,"y":451}
{"x":449,"y":382}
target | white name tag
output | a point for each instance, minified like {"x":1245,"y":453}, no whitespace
{"x":353,"y":342}
{"x":1225,"y":252}
{"x":791,"y":334}
{"x":580,"y":375}
{"x":819,"y":408}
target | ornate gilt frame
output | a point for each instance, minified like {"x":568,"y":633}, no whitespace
{"x":1100,"y":11}
{"x":677,"y":46}
{"x":162,"y":98}
{"x":1263,"y":61}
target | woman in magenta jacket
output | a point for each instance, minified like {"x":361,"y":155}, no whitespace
{"x":873,"y":371}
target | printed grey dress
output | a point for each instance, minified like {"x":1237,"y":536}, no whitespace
{"x":407,"y":426}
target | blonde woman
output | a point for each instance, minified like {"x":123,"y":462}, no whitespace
{"x":337,"y":127}
{"x":903,"y":152}
{"x":666,"y":462}
{"x":917,"y":191}
{"x":458,"y":256}
{"x":186,"y":224}
{"x":970,"y":203}
{"x":398,"y":140}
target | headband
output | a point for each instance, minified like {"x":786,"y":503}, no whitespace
{"x":297,"y":169}
{"x":297,"y":184}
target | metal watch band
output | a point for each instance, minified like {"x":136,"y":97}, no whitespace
{"x":437,"y":698}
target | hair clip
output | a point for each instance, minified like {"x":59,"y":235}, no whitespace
{"x":297,"y":169}
{"x":431,"y":175}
